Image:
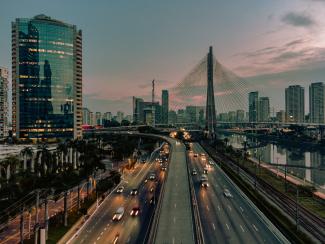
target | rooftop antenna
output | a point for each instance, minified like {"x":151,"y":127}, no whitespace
{"x":152,"y":103}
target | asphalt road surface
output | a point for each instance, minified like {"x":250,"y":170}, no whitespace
{"x":100,"y":228}
{"x":175,"y":221}
{"x":228,"y":219}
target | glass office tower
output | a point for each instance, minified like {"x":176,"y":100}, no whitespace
{"x":47,"y":79}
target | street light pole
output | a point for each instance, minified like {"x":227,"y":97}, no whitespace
{"x":29,"y":222}
{"x":22,"y":225}
{"x":46,"y":217}
{"x":65,"y":208}
{"x":36,"y":226}
{"x":285,"y":177}
{"x":297,"y":208}
{"x":277,"y":166}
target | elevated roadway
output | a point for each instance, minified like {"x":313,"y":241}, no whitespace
{"x":175,"y":216}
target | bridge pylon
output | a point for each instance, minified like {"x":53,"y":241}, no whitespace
{"x":211,"y":121}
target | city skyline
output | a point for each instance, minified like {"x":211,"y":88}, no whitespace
{"x":292,"y":30}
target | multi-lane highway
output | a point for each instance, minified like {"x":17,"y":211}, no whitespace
{"x":227,"y":219}
{"x":100,"y":228}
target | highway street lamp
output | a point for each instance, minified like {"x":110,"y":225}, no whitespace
{"x":285,"y":177}
{"x":297,"y":208}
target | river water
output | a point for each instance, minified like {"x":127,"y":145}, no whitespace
{"x":282,"y":154}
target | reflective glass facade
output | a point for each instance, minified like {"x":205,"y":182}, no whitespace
{"x":45,"y":78}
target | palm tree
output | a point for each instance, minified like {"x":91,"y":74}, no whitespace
{"x":46,"y":160}
{"x":245,"y":144}
{"x":27,"y":153}
{"x":10,"y":164}
{"x":226,"y":140}
{"x":62,"y":150}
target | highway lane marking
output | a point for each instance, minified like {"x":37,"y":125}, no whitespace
{"x":174,"y":205}
{"x":242,"y":228}
{"x":241,"y":209}
{"x":227,"y":226}
{"x":214,"y":227}
{"x":174,"y":220}
{"x":173,"y":240}
{"x":219,"y":207}
{"x":208,"y":208}
{"x":229,"y":207}
{"x":255,"y":227}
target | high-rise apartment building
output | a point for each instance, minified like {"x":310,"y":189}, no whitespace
{"x":164,"y":106}
{"x":46,"y":79}
{"x":138,"y":116}
{"x":128,"y":117}
{"x":181,"y":116}
{"x":253,"y":106}
{"x":232,"y":116}
{"x":98,"y":118}
{"x":172,"y":117}
{"x":107,"y":116}
{"x":223,"y":117}
{"x":281,"y":116}
{"x":3,"y":102}
{"x":295,"y":103}
{"x":240,"y":115}
{"x":86,"y":116}
{"x":317,"y":102}
{"x":194,"y":114}
{"x":263,"y":109}
{"x":119,"y":116}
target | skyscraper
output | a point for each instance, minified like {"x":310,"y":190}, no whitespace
{"x":46,"y":78}
{"x":210,"y":104}
{"x":172,"y":117}
{"x":3,"y":102}
{"x":281,"y":116}
{"x":317,"y":102}
{"x":295,"y":103}
{"x":107,"y":116}
{"x":240,"y":115}
{"x":263,"y":109}
{"x":253,"y":106}
{"x":232,"y":116}
{"x":98,"y":117}
{"x":138,"y":115}
{"x":164,"y":106}
{"x":194,"y":114}
{"x":86,"y":116}
{"x":120,"y":116}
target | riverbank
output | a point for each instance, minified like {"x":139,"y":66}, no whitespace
{"x":287,"y":141}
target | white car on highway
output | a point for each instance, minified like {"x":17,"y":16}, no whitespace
{"x":118,"y":214}
{"x":120,"y":189}
{"x":227,"y":193}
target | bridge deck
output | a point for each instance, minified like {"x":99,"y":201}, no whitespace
{"x":175,"y":221}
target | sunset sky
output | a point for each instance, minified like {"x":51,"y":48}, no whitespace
{"x":127,"y":43}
